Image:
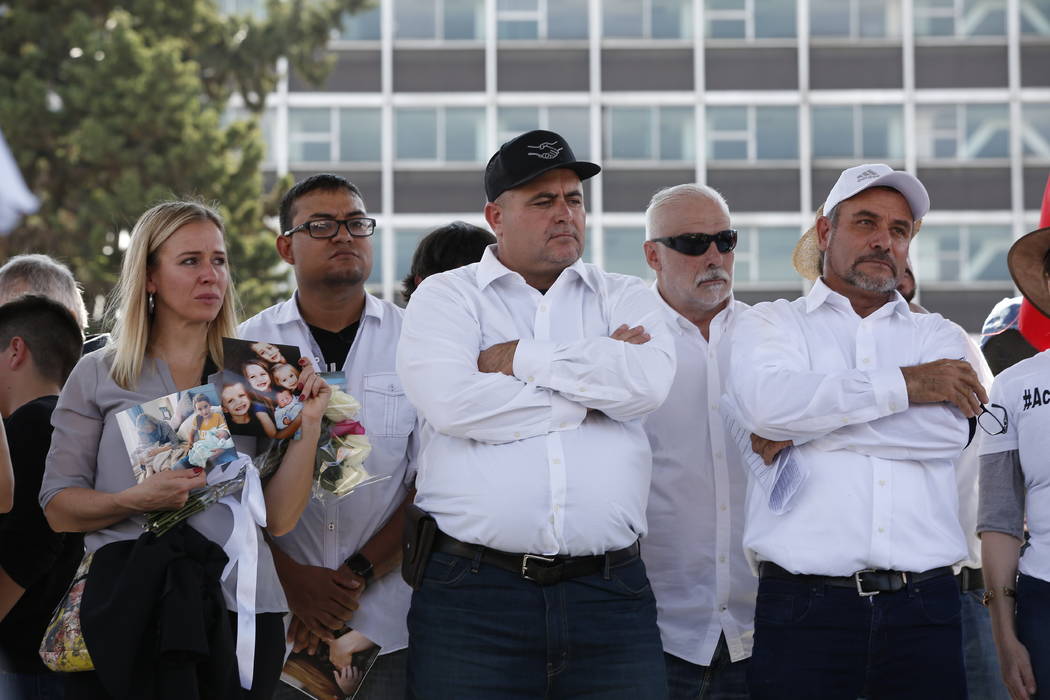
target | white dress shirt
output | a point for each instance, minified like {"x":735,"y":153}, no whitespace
{"x":518,"y":463}
{"x":968,"y":466}
{"x":693,"y":553}
{"x":881,"y":491}
{"x":1024,"y":391}
{"x":329,"y":533}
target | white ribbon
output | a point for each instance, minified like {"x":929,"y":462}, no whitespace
{"x":242,"y":549}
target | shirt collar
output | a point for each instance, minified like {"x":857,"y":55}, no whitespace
{"x":491,"y":269}
{"x":822,"y":294}
{"x":681,"y":324}
{"x":288,"y":310}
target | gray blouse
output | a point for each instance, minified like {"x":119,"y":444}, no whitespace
{"x":87,"y":451}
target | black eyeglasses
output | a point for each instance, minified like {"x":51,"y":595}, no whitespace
{"x":992,"y":419}
{"x":359,"y":227}
{"x":698,"y":243}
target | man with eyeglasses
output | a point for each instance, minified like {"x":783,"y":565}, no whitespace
{"x":336,"y":565}
{"x":856,"y":596}
{"x":534,"y":370}
{"x":705,"y":590}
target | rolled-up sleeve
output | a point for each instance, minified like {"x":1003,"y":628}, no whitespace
{"x":1002,"y":494}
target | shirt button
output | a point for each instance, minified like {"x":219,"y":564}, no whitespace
{"x":530,"y":379}
{"x":556,"y":460}
{"x":714,"y":407}
{"x":331,"y":527}
{"x":893,"y":405}
{"x":722,"y":608}
{"x":719,"y":454}
{"x":580,"y":389}
{"x":882,"y":482}
{"x":517,"y":435}
{"x":882,"y":529}
{"x":722,"y":507}
{"x":551,"y":520}
{"x":722,"y":559}
{"x":563,"y":425}
{"x":845,"y":421}
{"x":866,"y":360}
{"x":543,"y":307}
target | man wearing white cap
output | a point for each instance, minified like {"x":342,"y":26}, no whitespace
{"x":856,"y":594}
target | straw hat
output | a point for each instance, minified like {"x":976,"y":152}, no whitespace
{"x":853,"y":181}
{"x":1025,"y":261}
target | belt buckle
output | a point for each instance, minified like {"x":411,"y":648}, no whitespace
{"x":860,"y":588}
{"x":525,"y":564}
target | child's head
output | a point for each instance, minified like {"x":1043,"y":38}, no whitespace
{"x":235,"y":399}
{"x":284,"y":397}
{"x":257,"y":375}
{"x":268,"y":352}
{"x":285,"y":376}
{"x":202,"y":405}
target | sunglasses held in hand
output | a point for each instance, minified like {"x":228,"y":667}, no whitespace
{"x":698,"y":243}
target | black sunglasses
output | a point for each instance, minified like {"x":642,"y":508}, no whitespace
{"x":698,"y":243}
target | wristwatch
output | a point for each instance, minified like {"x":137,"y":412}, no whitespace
{"x":361,"y":566}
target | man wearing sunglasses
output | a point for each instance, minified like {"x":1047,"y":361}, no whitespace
{"x":705,"y":590}
{"x":534,"y":370}
{"x":337,"y":565}
{"x":857,"y":596}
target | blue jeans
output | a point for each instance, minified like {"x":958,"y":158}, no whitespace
{"x":720,"y":680}
{"x":983,"y":678}
{"x":479,"y":632}
{"x":31,"y":686}
{"x":1033,"y":627}
{"x":821,"y":642}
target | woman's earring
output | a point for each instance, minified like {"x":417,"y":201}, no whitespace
{"x":149,"y":302}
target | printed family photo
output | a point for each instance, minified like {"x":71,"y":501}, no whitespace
{"x":177,"y":431}
{"x":336,"y":671}
{"x":258,"y":388}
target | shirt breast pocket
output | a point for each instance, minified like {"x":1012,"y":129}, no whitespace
{"x":387,"y":412}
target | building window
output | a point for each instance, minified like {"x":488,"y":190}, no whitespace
{"x":439,"y":19}
{"x":962,"y":132}
{"x":1035,"y":17}
{"x":752,"y":133}
{"x":571,"y":122}
{"x":750,"y":19}
{"x":255,"y":8}
{"x":858,"y":131}
{"x":855,"y":19}
{"x":763,"y":255}
{"x":961,"y":254}
{"x":541,"y":19}
{"x":647,"y":19}
{"x":1035,"y":131}
{"x":960,"y":18}
{"x":440,"y":134}
{"x":650,"y":133}
{"x":333,"y":135}
{"x":623,"y":251}
{"x":360,"y":26}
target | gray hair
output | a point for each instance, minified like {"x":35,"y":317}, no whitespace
{"x":680,"y":192}
{"x":42,"y":274}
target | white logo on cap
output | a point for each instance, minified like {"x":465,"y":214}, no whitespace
{"x":546,"y":150}
{"x":867,"y":175}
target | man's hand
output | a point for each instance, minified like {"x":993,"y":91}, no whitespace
{"x":634,"y":336}
{"x":302,"y":638}
{"x":953,"y":381}
{"x":1016,"y":668}
{"x":322,"y":599}
{"x":768,"y":449}
{"x":498,"y":358}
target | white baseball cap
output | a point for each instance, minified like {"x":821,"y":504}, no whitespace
{"x":857,"y":179}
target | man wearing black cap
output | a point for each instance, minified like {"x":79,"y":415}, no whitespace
{"x":533,"y":371}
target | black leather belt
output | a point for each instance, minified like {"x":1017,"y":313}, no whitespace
{"x":970,"y":579}
{"x":542,"y":569}
{"x":867,"y":582}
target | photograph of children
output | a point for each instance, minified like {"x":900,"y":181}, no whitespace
{"x":177,"y":431}
{"x":258,"y":388}
{"x":335,"y":671}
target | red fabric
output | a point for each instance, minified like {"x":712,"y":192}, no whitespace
{"x":1034,"y":326}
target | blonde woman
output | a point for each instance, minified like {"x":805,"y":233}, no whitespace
{"x":174,"y":304}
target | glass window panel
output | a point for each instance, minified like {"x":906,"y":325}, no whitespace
{"x":987,"y":132}
{"x":987,"y":259}
{"x":775,"y":245}
{"x":309,"y":120}
{"x":567,"y":19}
{"x":414,"y":19}
{"x":416,"y":133}
{"x":464,"y":19}
{"x":518,"y":5}
{"x":776,"y":133}
{"x":774,"y":18}
{"x":518,"y":29}
{"x":622,"y":18}
{"x":726,"y":4}
{"x":623,"y":252}
{"x":676,"y":134}
{"x":934,"y":26}
{"x":360,"y":135}
{"x":728,"y":150}
{"x":1035,"y":17}
{"x":516,"y":120}
{"x":829,"y":18}
{"x":630,"y":130}
{"x":464,"y":133}
{"x":361,"y":26}
{"x":935,"y":252}
{"x":983,"y":18}
{"x":726,"y":29}
{"x":574,"y":124}
{"x":727,"y":118}
{"x":1035,"y":133}
{"x":310,"y":152}
{"x":672,"y":19}
{"x":405,"y":242}
{"x":882,"y":131}
{"x":833,"y":132}
{"x":944,"y":148}
{"x":878,"y":18}
{"x":742,"y":257}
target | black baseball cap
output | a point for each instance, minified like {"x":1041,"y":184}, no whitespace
{"x":526,"y":157}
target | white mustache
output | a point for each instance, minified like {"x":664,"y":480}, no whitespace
{"x":713,"y":274}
